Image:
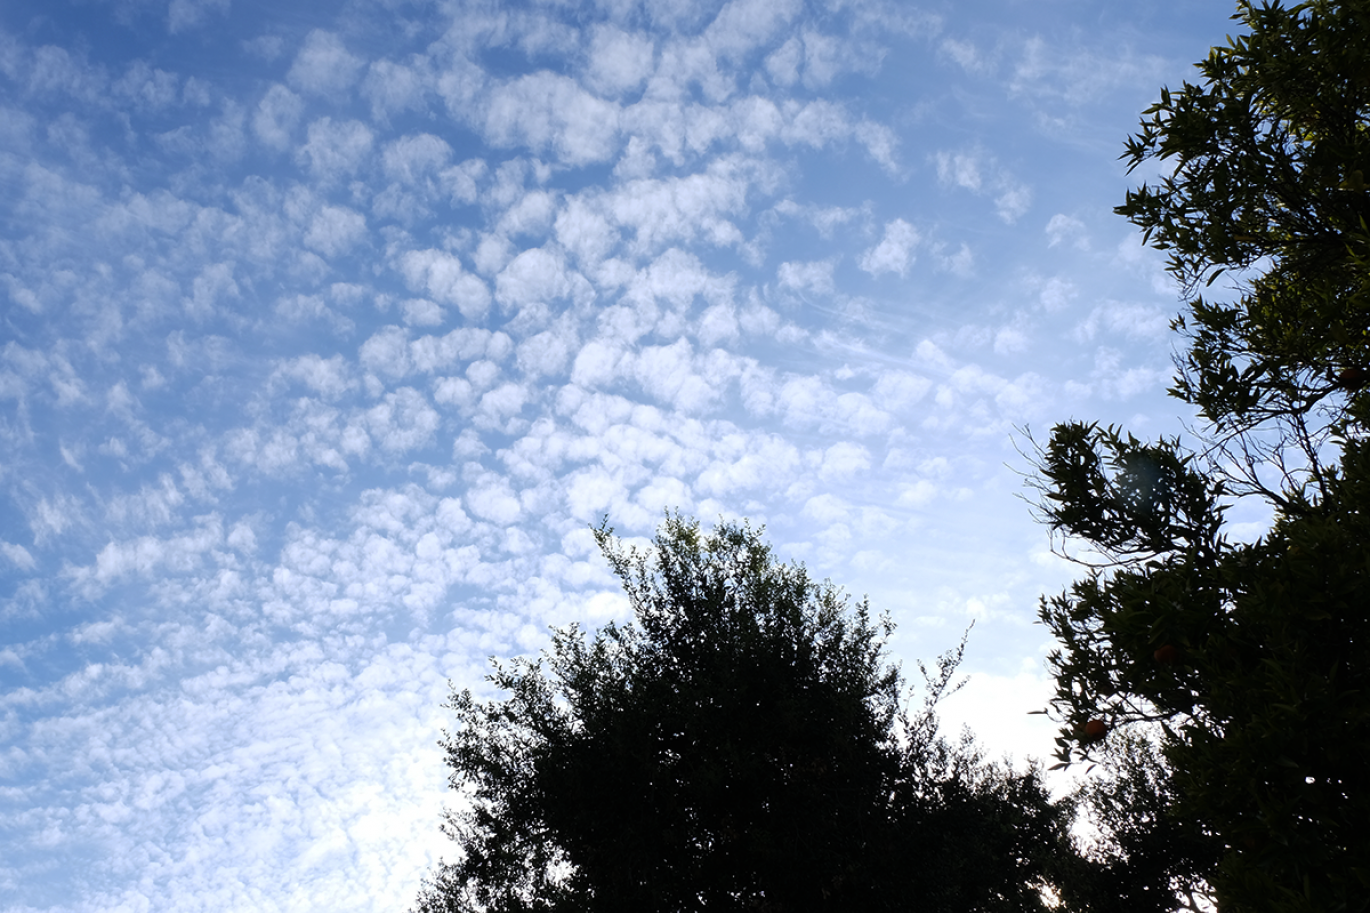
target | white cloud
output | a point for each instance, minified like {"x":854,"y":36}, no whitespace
{"x":1062,"y":228}
{"x":668,"y":374}
{"x":717,"y":324}
{"x":664,"y":493}
{"x":807,"y":277}
{"x":336,"y":150}
{"x":843,"y":460}
{"x":824,"y":57}
{"x":895,"y":252}
{"x":52,"y":70}
{"x":492,"y":499}
{"x":17,"y":555}
{"x":499,"y":408}
{"x":1077,"y":76}
{"x":387,"y":353}
{"x":153,"y":506}
{"x":1010,"y":339}
{"x":20,"y":295}
{"x":482,"y":373}
{"x":619,"y":61}
{"x":331,"y":378}
{"x":981,"y":174}
{"x":783,"y":63}
{"x":545,"y":353}
{"x":393,"y":88}
{"x":436,"y":353}
{"x":402,"y":421}
{"x":745,"y":24}
{"x":335,"y":230}
{"x":51,"y":518}
{"x":584,"y":229}
{"x":462,"y":181}
{"x":826,"y":219}
{"x":416,"y":160}
{"x":422,"y":312}
{"x":960,"y":263}
{"x":739,"y":464}
{"x":1012,"y":202}
{"x":183,"y":15}
{"x":539,"y":276}
{"x":454,"y":391}
{"x":960,"y":170}
{"x":676,"y":278}
{"x":531,"y":215}
{"x":148,"y":87}
{"x":917,"y":494}
{"x":687,"y":63}
{"x":227,"y":135}
{"x":324,"y":66}
{"x":675,"y":210}
{"x":965,"y":54}
{"x":881,"y":144}
{"x":306,"y":308}
{"x":596,"y":364}
{"x":547,"y":112}
{"x":810,"y":401}
{"x":492,"y":254}
{"x":214,"y":284}
{"x":899,"y":390}
{"x":1132,"y":321}
{"x":591,"y":492}
{"x":267,"y":47}
{"x":277,"y":114}
{"x":999,"y":709}
{"x":826,"y":508}
{"x":1056,"y":293}
{"x":440,"y":274}
{"x":146,"y":555}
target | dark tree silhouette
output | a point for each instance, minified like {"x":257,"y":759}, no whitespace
{"x":741,"y":745}
{"x":1252,"y":660}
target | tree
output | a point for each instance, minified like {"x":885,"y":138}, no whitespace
{"x":1142,"y":858}
{"x":1267,"y":189}
{"x":741,"y":745}
{"x":1251,"y":659}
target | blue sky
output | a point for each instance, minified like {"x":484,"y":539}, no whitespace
{"x":329,"y":330}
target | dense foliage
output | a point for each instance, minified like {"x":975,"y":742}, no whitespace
{"x":1267,"y":191}
{"x":1251,"y":660}
{"x":1254,"y":659}
{"x":1141,"y":858}
{"x":741,"y":745}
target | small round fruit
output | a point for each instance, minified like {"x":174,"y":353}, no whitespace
{"x":1352,"y":378}
{"x":1096,"y":730}
{"x":1167,"y":655}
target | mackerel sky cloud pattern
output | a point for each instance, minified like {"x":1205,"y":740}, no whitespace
{"x":328,"y":335}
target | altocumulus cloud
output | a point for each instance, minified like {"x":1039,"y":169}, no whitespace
{"x":328,"y":336}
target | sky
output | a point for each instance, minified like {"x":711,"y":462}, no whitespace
{"x":330,"y":330}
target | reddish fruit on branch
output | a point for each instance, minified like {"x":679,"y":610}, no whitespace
{"x":1352,"y":378}
{"x":1096,"y":730}
{"x":1167,"y":655}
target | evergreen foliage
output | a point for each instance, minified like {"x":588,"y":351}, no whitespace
{"x":741,"y":745}
{"x":1251,"y":660}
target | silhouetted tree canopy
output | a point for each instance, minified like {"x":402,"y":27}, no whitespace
{"x":1267,"y":193}
{"x":1140,"y":857}
{"x":1250,"y":660}
{"x":741,"y":745}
